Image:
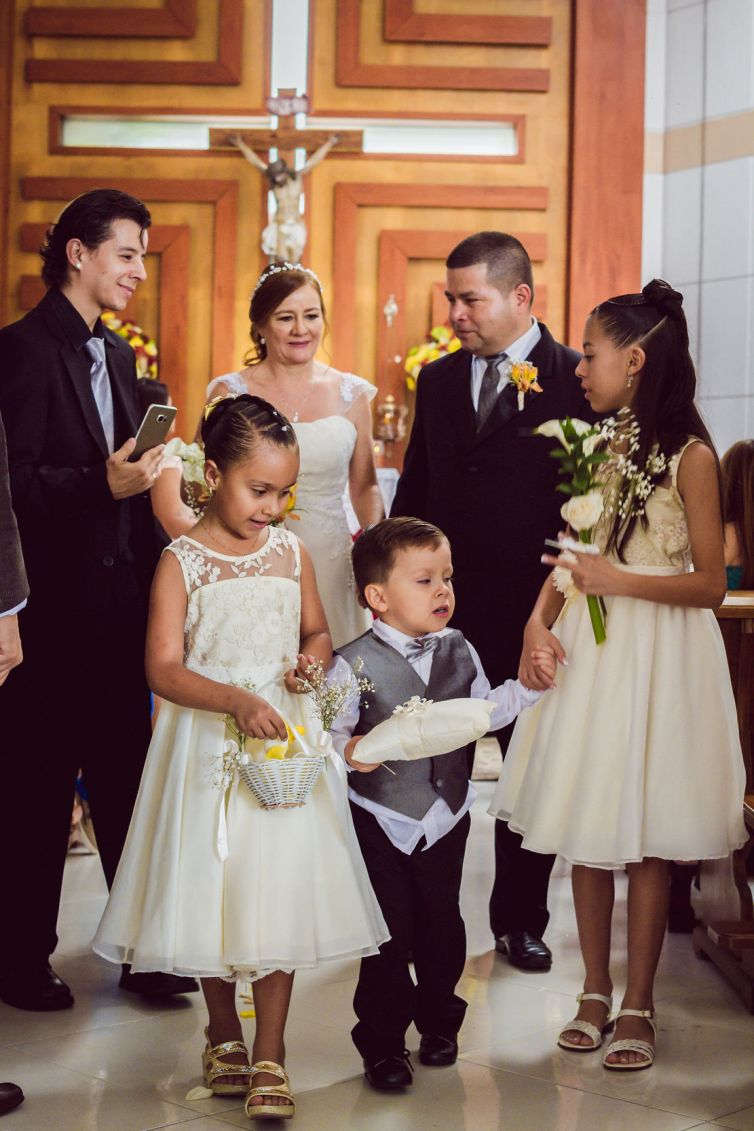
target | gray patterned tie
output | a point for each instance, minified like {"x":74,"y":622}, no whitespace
{"x":103,"y":394}
{"x":488,"y":390}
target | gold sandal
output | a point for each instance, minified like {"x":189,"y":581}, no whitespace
{"x":270,"y":1111}
{"x":214,"y":1068}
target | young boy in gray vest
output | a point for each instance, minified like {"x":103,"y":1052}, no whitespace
{"x":412,"y":818}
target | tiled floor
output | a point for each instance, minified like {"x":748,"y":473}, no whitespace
{"x":117,"y":1064}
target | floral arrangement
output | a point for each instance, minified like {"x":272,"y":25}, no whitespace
{"x":143,"y":346}
{"x":329,"y":697}
{"x":579,"y":460}
{"x":289,"y":510}
{"x":192,"y":469}
{"x":442,"y":340}
{"x":523,"y":376}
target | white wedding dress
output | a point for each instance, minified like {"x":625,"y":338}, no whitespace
{"x":210,"y":883}
{"x":319,"y":519}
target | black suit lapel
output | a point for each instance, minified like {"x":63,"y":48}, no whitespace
{"x":457,"y":402}
{"x":77,"y":365}
{"x":506,"y":408}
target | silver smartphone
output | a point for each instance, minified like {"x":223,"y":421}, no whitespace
{"x":153,"y":429}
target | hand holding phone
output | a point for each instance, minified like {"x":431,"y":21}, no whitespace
{"x":153,"y":429}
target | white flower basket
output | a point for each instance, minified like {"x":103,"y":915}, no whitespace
{"x":283,"y":783}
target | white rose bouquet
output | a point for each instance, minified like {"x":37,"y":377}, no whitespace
{"x":580,"y":453}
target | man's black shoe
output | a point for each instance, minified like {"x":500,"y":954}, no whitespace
{"x":156,"y":984}
{"x":438,"y":1051}
{"x":524,"y":950}
{"x":38,"y":989}
{"x":10,"y":1096}
{"x":390,"y":1073}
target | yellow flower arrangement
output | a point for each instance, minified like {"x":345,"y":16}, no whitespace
{"x":524,"y":377}
{"x":143,"y":346}
{"x":442,"y":340}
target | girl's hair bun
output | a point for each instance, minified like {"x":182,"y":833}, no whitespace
{"x":664,"y":299}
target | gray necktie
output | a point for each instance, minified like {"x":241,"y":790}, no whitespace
{"x":488,"y":390}
{"x":103,"y":394}
{"x":420,"y":646}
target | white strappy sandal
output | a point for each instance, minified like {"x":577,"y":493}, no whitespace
{"x":633,"y":1044}
{"x":595,"y":1035}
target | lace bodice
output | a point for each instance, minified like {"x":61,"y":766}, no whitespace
{"x":665,"y":539}
{"x":244,"y":613}
{"x":330,"y":394}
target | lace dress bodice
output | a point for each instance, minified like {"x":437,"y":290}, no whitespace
{"x":243,"y":613}
{"x":664,"y":541}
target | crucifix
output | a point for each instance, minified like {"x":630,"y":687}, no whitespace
{"x":284,"y":238}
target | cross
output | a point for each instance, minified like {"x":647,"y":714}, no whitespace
{"x":286,"y":137}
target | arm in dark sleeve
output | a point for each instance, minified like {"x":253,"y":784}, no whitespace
{"x":13,"y":585}
{"x":24,"y":405}
{"x":411,"y":492}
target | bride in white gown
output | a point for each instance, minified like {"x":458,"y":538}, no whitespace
{"x":330,"y":413}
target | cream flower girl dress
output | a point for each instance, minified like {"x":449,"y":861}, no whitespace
{"x":636,"y":753}
{"x":210,"y":883}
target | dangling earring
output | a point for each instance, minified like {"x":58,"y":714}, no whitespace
{"x":629,"y":379}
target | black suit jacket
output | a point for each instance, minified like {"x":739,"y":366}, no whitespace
{"x":87,"y":556}
{"x":493,"y":494}
{"x":13,"y":585}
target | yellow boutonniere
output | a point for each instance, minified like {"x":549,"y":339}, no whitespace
{"x":524,"y":377}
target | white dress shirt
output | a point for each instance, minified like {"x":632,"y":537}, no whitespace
{"x":402,"y":831}
{"x":516,"y":351}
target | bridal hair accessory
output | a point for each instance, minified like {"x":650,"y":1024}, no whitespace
{"x":281,"y":268}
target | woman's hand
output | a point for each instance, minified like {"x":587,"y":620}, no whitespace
{"x":297,"y":679}
{"x":592,"y":573}
{"x":538,"y":641}
{"x":362,"y":767}
{"x":256,"y":717}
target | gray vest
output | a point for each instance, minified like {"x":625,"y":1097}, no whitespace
{"x":416,"y":785}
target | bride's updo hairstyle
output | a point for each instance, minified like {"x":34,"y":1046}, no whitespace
{"x":234,"y":426}
{"x":664,"y":400}
{"x":275,"y":284}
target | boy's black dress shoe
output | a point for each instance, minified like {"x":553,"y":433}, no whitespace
{"x":438,"y":1051}
{"x":10,"y":1096}
{"x":38,"y":989}
{"x":156,"y":984}
{"x":525,"y":951}
{"x":390,"y":1073}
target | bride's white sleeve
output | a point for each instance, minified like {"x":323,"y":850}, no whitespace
{"x":234,"y":382}
{"x":353,"y":388}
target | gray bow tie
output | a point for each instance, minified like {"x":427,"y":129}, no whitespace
{"x":421,"y":646}
{"x":103,"y":394}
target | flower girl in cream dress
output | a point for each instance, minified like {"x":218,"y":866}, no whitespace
{"x":634,"y":760}
{"x":211,"y":883}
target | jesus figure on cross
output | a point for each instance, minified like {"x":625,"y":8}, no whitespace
{"x":284,"y":239}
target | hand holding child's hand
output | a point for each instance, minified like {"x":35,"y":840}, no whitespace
{"x":296,"y":680}
{"x":256,"y":717}
{"x":362,"y":767}
{"x":591,"y":573}
{"x":545,"y":665}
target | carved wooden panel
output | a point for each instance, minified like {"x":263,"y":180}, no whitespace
{"x":405,"y":24}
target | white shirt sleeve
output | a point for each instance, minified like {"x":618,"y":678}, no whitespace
{"x":12,"y":612}
{"x":510,"y":698}
{"x":342,"y":729}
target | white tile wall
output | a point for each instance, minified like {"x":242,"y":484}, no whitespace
{"x":698,"y":224}
{"x":724,"y":333}
{"x":729,"y":37}
{"x":682,"y":219}
{"x":685,"y":65}
{"x":727,"y":218}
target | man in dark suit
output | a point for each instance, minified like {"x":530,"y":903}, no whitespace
{"x":68,"y":399}
{"x":474,"y":469}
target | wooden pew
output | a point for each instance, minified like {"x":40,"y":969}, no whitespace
{"x":726,"y":931}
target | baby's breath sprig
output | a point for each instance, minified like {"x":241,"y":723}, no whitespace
{"x":635,"y":484}
{"x":330,"y":697}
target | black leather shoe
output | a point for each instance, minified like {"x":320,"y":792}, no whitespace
{"x":438,"y":1051}
{"x":525,"y":951}
{"x":10,"y":1096}
{"x":390,"y":1073}
{"x":38,"y":989}
{"x":156,"y":984}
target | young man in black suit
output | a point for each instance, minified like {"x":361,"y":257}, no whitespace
{"x":474,"y":469}
{"x":80,"y":700}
